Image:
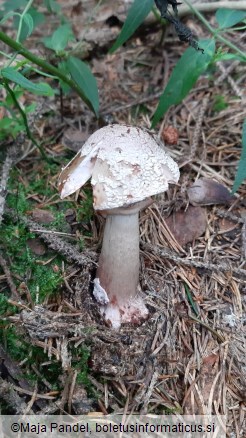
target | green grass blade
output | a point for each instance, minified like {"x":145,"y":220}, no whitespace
{"x":84,"y":79}
{"x":136,"y":15}
{"x":184,"y":76}
{"x":241,"y":171}
{"x":190,"y":299}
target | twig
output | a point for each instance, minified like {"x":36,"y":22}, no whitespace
{"x":213,"y":31}
{"x":163,"y":342}
{"x":71,"y":390}
{"x":138,"y":101}
{"x":149,"y":392}
{"x":213,"y":6}
{"x":43,"y":396}
{"x":41,"y":377}
{"x":65,"y":392}
{"x":164,"y":252}
{"x":59,"y":245}
{"x":231,"y":81}
{"x":44,"y":64}
{"x":207,"y":326}
{"x":8,"y":394}
{"x":229,"y":215}
{"x":32,"y":401}
{"x":14,"y":372}
{"x":225,"y":71}
{"x":206,"y":7}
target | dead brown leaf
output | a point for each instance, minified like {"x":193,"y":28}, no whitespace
{"x":42,"y":216}
{"x":206,"y":191}
{"x":36,"y":246}
{"x":187,"y":225}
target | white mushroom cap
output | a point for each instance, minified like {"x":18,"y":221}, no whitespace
{"x":126,"y":165}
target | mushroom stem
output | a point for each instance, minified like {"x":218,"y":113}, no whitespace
{"x":118,"y":271}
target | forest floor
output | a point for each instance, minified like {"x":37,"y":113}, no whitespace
{"x":57,"y":354}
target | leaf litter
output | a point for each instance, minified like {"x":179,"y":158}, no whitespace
{"x":189,"y":356}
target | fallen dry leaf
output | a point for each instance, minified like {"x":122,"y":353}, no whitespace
{"x":206,"y":191}
{"x":36,"y":246}
{"x":187,"y":225}
{"x":210,"y":360}
{"x":42,"y":216}
{"x":74,"y":139}
{"x":226,"y":225}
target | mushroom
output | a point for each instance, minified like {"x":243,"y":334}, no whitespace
{"x":127,"y":166}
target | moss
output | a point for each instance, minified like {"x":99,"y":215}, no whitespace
{"x":21,"y":350}
{"x":219,"y":103}
{"x":85,"y":210}
{"x":5,"y":308}
{"x":40,"y":274}
{"x":81,"y":357}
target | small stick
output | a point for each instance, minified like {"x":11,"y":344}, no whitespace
{"x":57,"y":244}
{"x":164,"y":252}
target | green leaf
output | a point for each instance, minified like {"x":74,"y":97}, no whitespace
{"x":59,"y":39}
{"x":7,"y":16}
{"x":30,"y":108}
{"x":63,"y":68}
{"x":220,"y":103}
{"x":223,"y":56}
{"x":10,"y":127}
{"x":38,"y":17}
{"x":13,"y":5}
{"x":52,"y":6}
{"x":241,"y":171}
{"x":11,"y":74}
{"x":136,"y":15}
{"x":9,"y":99}
{"x":28,"y":21}
{"x":26,"y":28}
{"x":5,"y":122}
{"x":184,"y":76}
{"x":229,"y":17}
{"x":191,"y":300}
{"x":86,"y":82}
